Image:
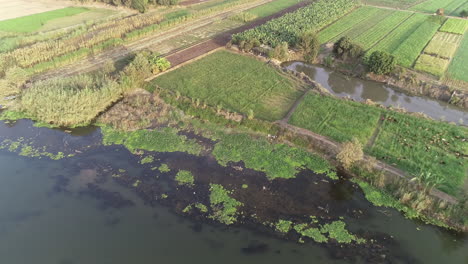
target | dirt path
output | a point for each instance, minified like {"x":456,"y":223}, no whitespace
{"x":291,"y":111}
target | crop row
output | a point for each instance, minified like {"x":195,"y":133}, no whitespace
{"x":347,"y":23}
{"x":289,"y":27}
{"x":457,"y":68}
{"x":381,"y":29}
{"x":456,"y":26}
{"x":443,"y":45}
{"x":431,"y":64}
{"x":431,"y":6}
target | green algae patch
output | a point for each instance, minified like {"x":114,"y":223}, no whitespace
{"x":164,"y":168}
{"x":26,"y":149}
{"x":283,"y":226}
{"x":223,"y":205}
{"x":184,"y":177}
{"x":147,"y":159}
{"x":164,"y":140}
{"x":276,"y":160}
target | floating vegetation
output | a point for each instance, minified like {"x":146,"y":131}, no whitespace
{"x":136,"y":183}
{"x":276,"y":160}
{"x":164,"y":168}
{"x":164,"y":140}
{"x":245,"y":186}
{"x":26,"y":149}
{"x":147,"y":159}
{"x":224,"y":207}
{"x":336,"y":230}
{"x":184,"y":177}
{"x":283,"y":226}
{"x":201,"y":207}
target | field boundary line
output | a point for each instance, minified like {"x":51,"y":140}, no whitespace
{"x":376,"y":132}
{"x":294,"y":106}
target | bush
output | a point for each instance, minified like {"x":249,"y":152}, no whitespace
{"x":345,"y":48}
{"x":381,"y":62}
{"x":280,"y":52}
{"x":309,"y":46}
{"x":464,"y":13}
{"x":350,"y":153}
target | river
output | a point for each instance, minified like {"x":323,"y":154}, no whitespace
{"x":361,"y":90}
{"x":72,"y":211}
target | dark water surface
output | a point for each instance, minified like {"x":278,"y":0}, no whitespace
{"x":49,"y":214}
{"x":360,"y":90}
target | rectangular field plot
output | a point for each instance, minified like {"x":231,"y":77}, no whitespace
{"x":393,"y":40}
{"x":393,"y":3}
{"x":338,"y":119}
{"x":380,"y":30}
{"x":339,"y":28}
{"x":456,"y":26}
{"x":431,"y":6}
{"x":412,"y":47}
{"x":432,"y":64}
{"x":423,"y":146}
{"x":457,"y":69}
{"x":238,"y":83}
{"x":443,"y":45}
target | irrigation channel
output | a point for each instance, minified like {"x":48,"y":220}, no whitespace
{"x":86,"y":208}
{"x":361,"y":90}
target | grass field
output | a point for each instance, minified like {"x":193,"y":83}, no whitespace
{"x":337,"y":119}
{"x":381,"y":29}
{"x":347,"y":22}
{"x":33,"y":22}
{"x":272,"y":7}
{"x":236,"y":82}
{"x":411,"y":48}
{"x":431,"y":64}
{"x":457,"y":68}
{"x":431,"y":6}
{"x":443,"y":45}
{"x":456,"y":26}
{"x":393,"y":40}
{"x":422,"y":146}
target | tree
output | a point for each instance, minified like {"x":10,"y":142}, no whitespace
{"x":345,"y":48}
{"x":464,"y":13}
{"x":381,"y":62}
{"x":309,"y":45}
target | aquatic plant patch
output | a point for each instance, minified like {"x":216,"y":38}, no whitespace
{"x":33,"y":22}
{"x":421,"y":146}
{"x":284,"y":226}
{"x":236,"y":83}
{"x":224,"y":207}
{"x":338,"y":119}
{"x":276,"y":160}
{"x":322,"y":234}
{"x":27,"y":149}
{"x":184,"y":177}
{"x":164,"y":140}
{"x":455,"y":26}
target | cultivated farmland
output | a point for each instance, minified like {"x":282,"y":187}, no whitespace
{"x":443,"y":45}
{"x":393,"y":3}
{"x":458,"y":69}
{"x":456,"y":26}
{"x":432,"y":65}
{"x":339,"y":120}
{"x":431,"y":6}
{"x":235,"y":82}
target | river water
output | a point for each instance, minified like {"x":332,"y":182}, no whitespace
{"x":361,"y":90}
{"x":49,"y":213}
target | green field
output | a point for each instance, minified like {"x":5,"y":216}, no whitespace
{"x":433,"y":65}
{"x":443,"y":45}
{"x":337,"y":119}
{"x":431,"y":6}
{"x":457,"y":69}
{"x":34,"y":22}
{"x":235,"y":82}
{"x":456,"y":26}
{"x":457,"y":11}
{"x":272,"y":7}
{"x":422,"y":146}
{"x":393,"y":3}
{"x":380,"y":30}
{"x":346,"y":23}
{"x":411,"y":48}
{"x":393,"y":40}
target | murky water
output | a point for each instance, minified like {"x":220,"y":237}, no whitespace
{"x":360,"y":90}
{"x":50,"y":215}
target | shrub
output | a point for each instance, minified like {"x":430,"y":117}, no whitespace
{"x":309,"y":45}
{"x":350,"y":153}
{"x":464,"y":13}
{"x":280,"y":52}
{"x":381,"y":62}
{"x":345,"y":48}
